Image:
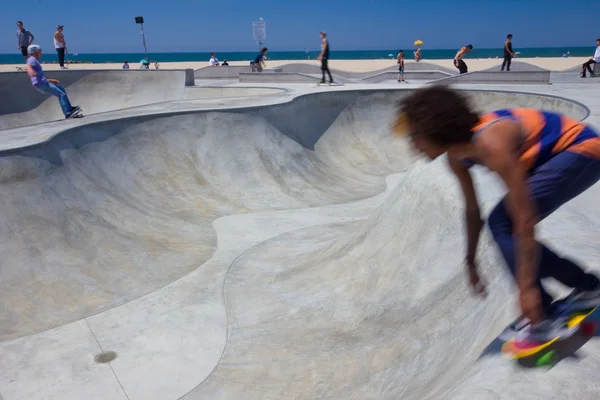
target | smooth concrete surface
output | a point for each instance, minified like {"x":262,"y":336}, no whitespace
{"x":95,"y":91}
{"x":408,"y":75}
{"x":264,"y":247}
{"x":231,"y":71}
{"x":515,"y":66}
{"x":500,"y":77}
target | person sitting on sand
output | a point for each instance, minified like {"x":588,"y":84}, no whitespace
{"x":47,"y":86}
{"x":126,"y":65}
{"x":545,"y":159}
{"x":458,"y":59}
{"x":224,"y":63}
{"x":259,"y":61}
{"x":592,"y":60}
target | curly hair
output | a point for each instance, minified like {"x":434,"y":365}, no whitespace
{"x":439,"y":113}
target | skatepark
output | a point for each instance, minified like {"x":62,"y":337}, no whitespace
{"x":252,"y":236}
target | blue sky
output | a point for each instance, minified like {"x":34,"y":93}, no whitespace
{"x":108,"y":26}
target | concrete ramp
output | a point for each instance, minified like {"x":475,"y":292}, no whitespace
{"x":229,"y":72}
{"x":304,"y":68}
{"x":408,"y":75}
{"x":517,"y":66}
{"x":95,"y":91}
{"x":498,"y":77}
{"x":219,"y":256}
{"x":283,"y":77}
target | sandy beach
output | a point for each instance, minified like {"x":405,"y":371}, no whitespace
{"x":552,"y":64}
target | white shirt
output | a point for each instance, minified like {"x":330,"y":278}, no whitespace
{"x":213,"y":61}
{"x":59,"y":44}
{"x":597,"y":54}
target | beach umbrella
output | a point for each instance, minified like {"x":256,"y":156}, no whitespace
{"x":418,"y":43}
{"x":391,"y":55}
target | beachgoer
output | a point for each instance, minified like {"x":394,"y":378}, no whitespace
{"x":508,"y":53}
{"x":324,"y":57}
{"x":126,"y":65}
{"x":47,"y":86}
{"x":458,"y":58}
{"x":259,"y":61}
{"x":24,"y":39}
{"x":592,"y":60}
{"x":214,"y":62}
{"x":60,"y":45}
{"x":224,"y":63}
{"x":417,"y":55}
{"x":401,"y":66}
{"x":545,"y":159}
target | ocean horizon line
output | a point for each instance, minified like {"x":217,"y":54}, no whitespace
{"x":432,"y":54}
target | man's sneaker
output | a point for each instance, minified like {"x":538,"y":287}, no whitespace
{"x":73,"y":112}
{"x":580,"y":300}
{"x":514,"y":328}
{"x":538,"y":334}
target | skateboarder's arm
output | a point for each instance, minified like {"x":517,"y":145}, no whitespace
{"x":31,"y":37}
{"x":472,"y":214}
{"x":497,"y":146}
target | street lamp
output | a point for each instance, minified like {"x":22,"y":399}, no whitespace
{"x":140,"y":20}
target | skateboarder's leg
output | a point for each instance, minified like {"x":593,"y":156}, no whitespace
{"x":58,"y":91}
{"x":561,"y":179}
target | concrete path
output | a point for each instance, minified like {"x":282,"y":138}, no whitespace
{"x":275,"y":243}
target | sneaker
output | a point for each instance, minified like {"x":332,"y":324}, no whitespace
{"x":74,"y":111}
{"x":515,"y":328}
{"x":548,"y":329}
{"x":580,"y":299}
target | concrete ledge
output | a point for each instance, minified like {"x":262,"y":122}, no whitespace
{"x":419,"y":75}
{"x":227,"y":72}
{"x":497,"y":77}
{"x":278,"y":77}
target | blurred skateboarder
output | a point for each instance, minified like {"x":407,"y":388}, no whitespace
{"x":545,"y":159}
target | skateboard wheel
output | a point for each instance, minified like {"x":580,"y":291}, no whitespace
{"x":589,"y":328}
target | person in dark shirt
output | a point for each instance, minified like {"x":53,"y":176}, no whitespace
{"x":324,"y":57}
{"x":259,"y":61}
{"x":508,"y":53}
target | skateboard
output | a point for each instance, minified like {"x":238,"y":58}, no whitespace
{"x":330,"y":84}
{"x":550,"y":352}
{"x":77,"y":114}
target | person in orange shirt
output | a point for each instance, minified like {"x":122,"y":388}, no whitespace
{"x":544,"y":158}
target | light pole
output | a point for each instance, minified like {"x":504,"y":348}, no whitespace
{"x":140,"y":20}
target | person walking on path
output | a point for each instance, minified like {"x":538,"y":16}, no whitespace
{"x":508,"y":53}
{"x":24,"y":39}
{"x":324,"y":57}
{"x":544,"y":159}
{"x":458,"y":59}
{"x":47,"y":86}
{"x":60,"y":45}
{"x":401,"y":66}
{"x":593,"y":60}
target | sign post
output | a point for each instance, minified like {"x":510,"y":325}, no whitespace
{"x":260,"y":32}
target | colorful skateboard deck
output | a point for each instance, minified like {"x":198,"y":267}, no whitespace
{"x":547,"y":353}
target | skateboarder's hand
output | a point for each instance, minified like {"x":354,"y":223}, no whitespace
{"x":475,"y":281}
{"x":54,"y":81}
{"x":531,"y":304}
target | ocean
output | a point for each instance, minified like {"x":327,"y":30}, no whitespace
{"x":50,"y":55}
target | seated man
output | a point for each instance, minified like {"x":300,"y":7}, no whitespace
{"x":545,"y":159}
{"x":48,"y":86}
{"x":592,"y":60}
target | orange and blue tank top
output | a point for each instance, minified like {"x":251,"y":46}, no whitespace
{"x":547,"y":134}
